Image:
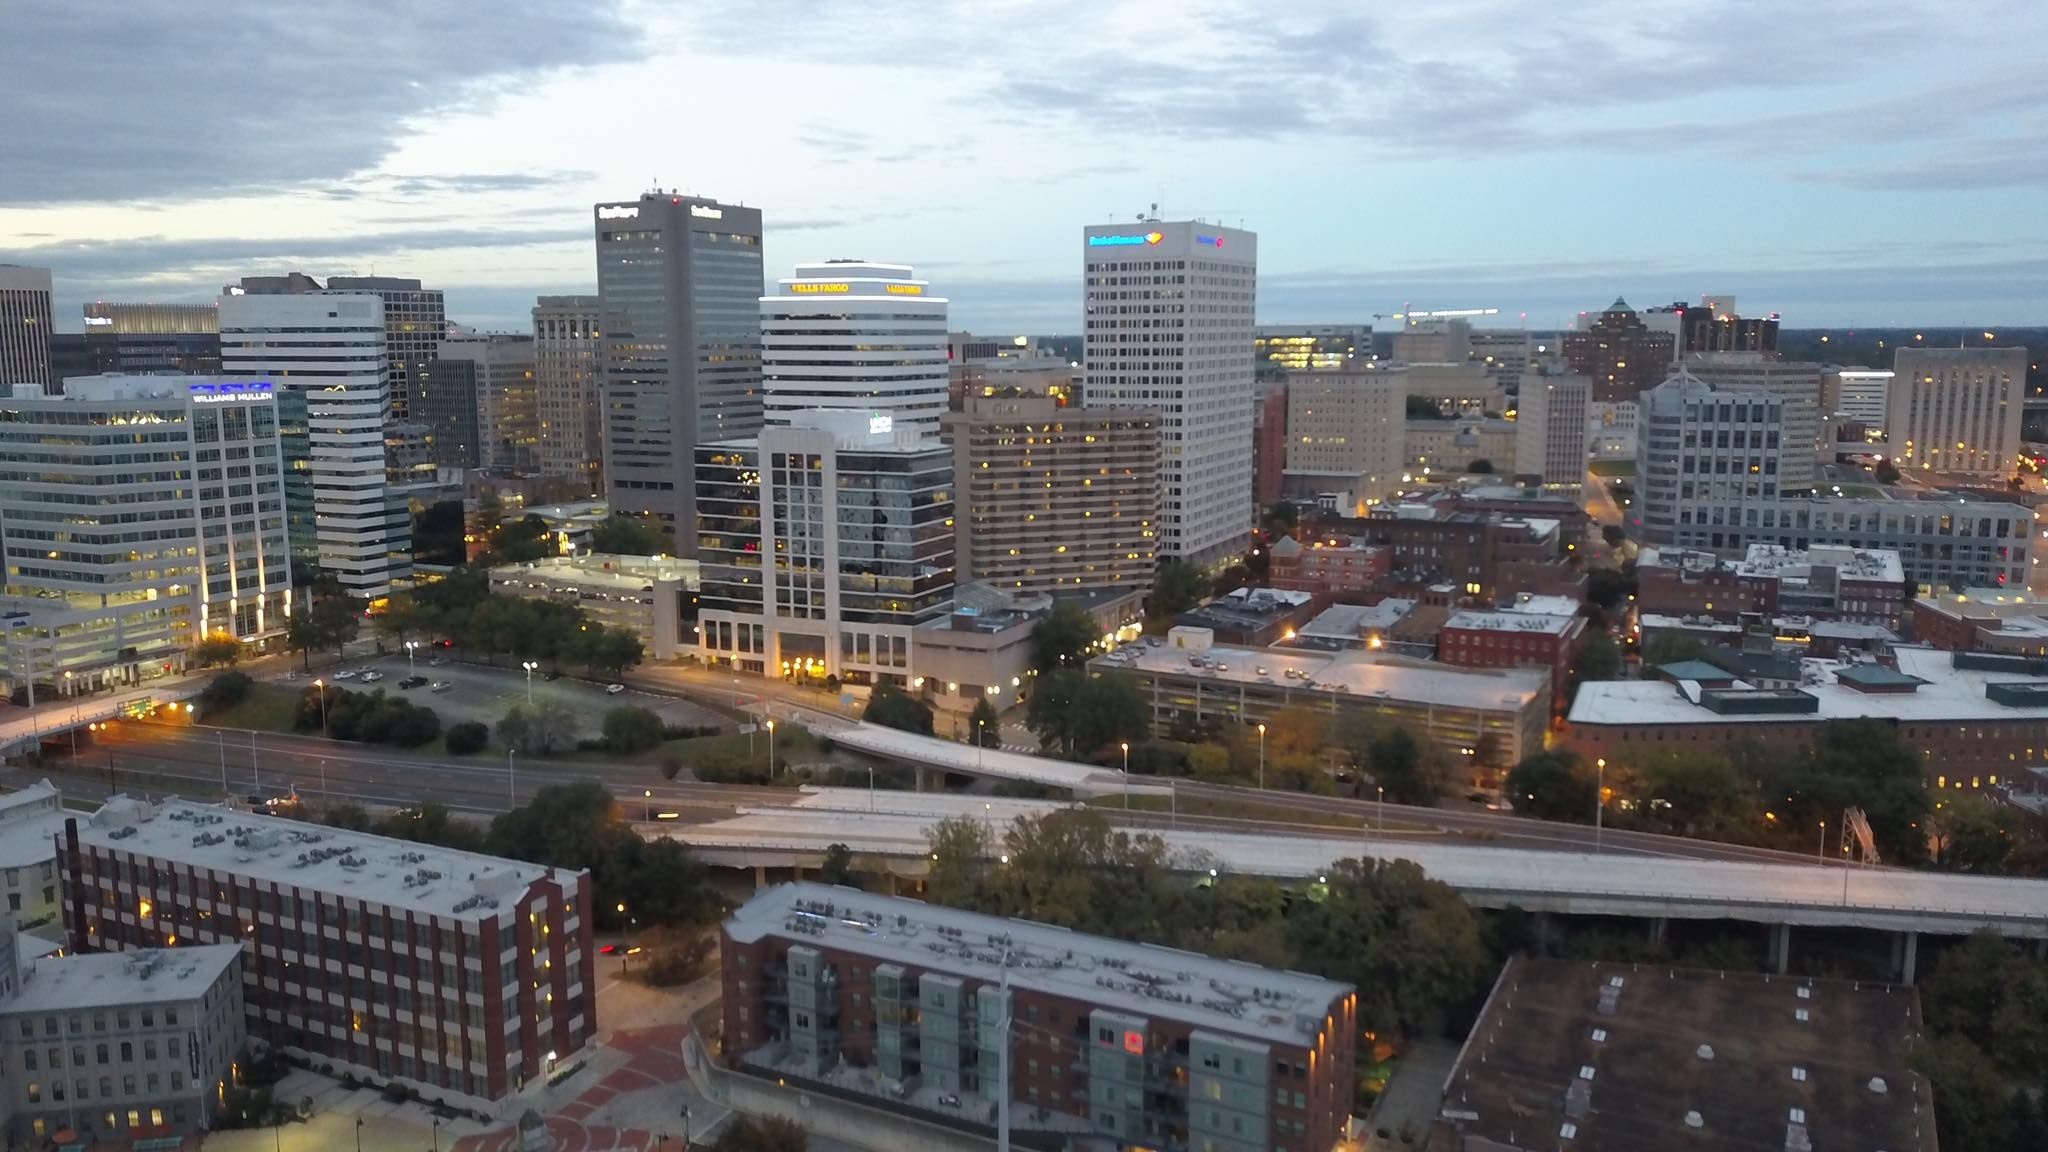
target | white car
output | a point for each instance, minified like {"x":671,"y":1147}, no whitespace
{"x":345,"y":674}
{"x":614,"y":689}
{"x":439,"y":686}
{"x":371,"y":677}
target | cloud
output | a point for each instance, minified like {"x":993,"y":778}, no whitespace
{"x":164,"y":99}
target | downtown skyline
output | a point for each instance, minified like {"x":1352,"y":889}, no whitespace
{"x":1845,"y":167}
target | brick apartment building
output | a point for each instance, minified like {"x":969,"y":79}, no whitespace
{"x":1323,"y":567}
{"x":1514,"y":640}
{"x":1982,"y":620}
{"x":1486,"y":555}
{"x":460,"y":974}
{"x":1135,"y":1045}
{"x":1825,"y":582}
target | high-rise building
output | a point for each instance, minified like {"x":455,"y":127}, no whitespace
{"x":1619,"y":353}
{"x":1055,"y":498}
{"x":1269,"y":440}
{"x":823,"y":545}
{"x":1280,"y":348}
{"x":116,"y":582}
{"x":133,"y":339}
{"x":1713,"y":325}
{"x":415,"y":321}
{"x":1169,"y":311}
{"x":445,"y":402}
{"x":679,"y":284}
{"x":331,"y":349}
{"x":852,"y":335}
{"x":1708,"y":460}
{"x":568,"y":333}
{"x":1346,"y":436}
{"x":1857,"y":395}
{"x":1798,"y":384}
{"x":26,"y":325}
{"x":1504,"y":353}
{"x":1956,"y":409}
{"x":1433,"y":341}
{"x":1550,"y":428}
{"x":507,"y":404}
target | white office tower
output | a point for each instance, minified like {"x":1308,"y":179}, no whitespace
{"x":1169,"y":313}
{"x":1956,"y":409}
{"x":850,"y":335}
{"x":331,"y":350}
{"x":1550,"y":428}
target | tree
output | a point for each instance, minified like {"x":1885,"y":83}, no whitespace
{"x":762,"y":1134}
{"x":1408,"y":943}
{"x":465,"y":738}
{"x":1176,"y":587}
{"x":337,"y":615}
{"x":437,"y":534}
{"x":892,"y":707}
{"x":986,"y":724}
{"x":1107,"y":711}
{"x":837,"y":867}
{"x":219,"y":648}
{"x":539,"y":728}
{"x":1297,"y":731}
{"x":1613,"y":535}
{"x":1973,"y":834}
{"x":1672,"y":648}
{"x":1282,"y":519}
{"x":224,"y":691}
{"x":1480,"y":467}
{"x":1062,"y":637}
{"x":1606,"y":588}
{"x":959,"y":854}
{"x":1886,"y":472}
{"x":520,"y":541}
{"x":397,"y":619}
{"x":1862,"y":763}
{"x":625,"y":535}
{"x":631,"y":729}
{"x":1996,"y":997}
{"x":1599,"y":659}
{"x":1553,"y":786}
{"x":1411,"y":771}
{"x":302,"y":634}
{"x":580,"y":826}
{"x":1425,"y":408}
{"x":1697,"y":794}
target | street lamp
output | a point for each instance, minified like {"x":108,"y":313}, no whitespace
{"x":1126,"y":746}
{"x":647,"y":794}
{"x":1262,"y":756}
{"x":529,"y":665}
{"x":320,"y":686}
{"x":1820,"y":854}
{"x":980,"y":738}
{"x":409,"y":646}
{"x":1599,"y":800}
{"x":771,"y":747}
{"x":511,"y":780}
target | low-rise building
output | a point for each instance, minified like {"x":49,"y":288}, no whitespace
{"x":1203,"y":686}
{"x":461,"y":975}
{"x":117,"y":1049}
{"x":1823,"y":582}
{"x":1326,"y":566}
{"x":1455,"y":445}
{"x":1254,"y":617}
{"x":653,"y":597}
{"x":1349,"y":627}
{"x":1514,"y":640}
{"x":1988,"y":619}
{"x":925,"y":1008}
{"x":1978,"y":719}
{"x":30,"y":819}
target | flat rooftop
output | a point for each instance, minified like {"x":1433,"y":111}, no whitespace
{"x":1541,"y":605}
{"x":100,"y":979}
{"x":1879,"y":564}
{"x":1226,"y":996}
{"x":1529,"y":622}
{"x":1640,"y":1068}
{"x":1947,"y":693}
{"x":635,"y":573}
{"x":1358,"y":674}
{"x":30,"y":819}
{"x":1350,"y":622}
{"x":313,"y":857}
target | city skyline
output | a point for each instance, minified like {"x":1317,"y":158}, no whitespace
{"x":1564,"y":157}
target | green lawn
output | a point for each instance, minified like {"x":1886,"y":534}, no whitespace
{"x":267,"y":708}
{"x":793,"y":743}
{"x":1612,"y":468}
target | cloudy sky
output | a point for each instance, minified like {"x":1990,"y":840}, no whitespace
{"x":1841,"y":161}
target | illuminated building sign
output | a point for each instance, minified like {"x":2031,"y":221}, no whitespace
{"x":232,"y":390}
{"x":881,"y":425}
{"x":625,"y":212}
{"x":1211,"y":241}
{"x":820,"y":289}
{"x":98,"y":321}
{"x":703,"y":213}
{"x":1134,"y":1043}
{"x":1130,"y":241}
{"x":906,"y":289}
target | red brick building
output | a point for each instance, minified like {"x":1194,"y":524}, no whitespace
{"x":1986,"y":620}
{"x":1151,"y":1047}
{"x":1514,"y":640}
{"x":1824,"y":582}
{"x":1320,"y":566}
{"x":1269,"y":442}
{"x":460,"y":974}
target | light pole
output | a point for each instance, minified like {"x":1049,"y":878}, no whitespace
{"x":1262,"y":756}
{"x":1383,"y":811}
{"x":320,"y":687}
{"x":771,"y":748}
{"x":647,"y":794}
{"x":1820,"y":853}
{"x":220,"y":739}
{"x":1599,"y":801}
{"x":529,"y":665}
{"x":1126,"y":746}
{"x":359,"y":1134}
{"x":326,"y":797}
{"x":410,"y":645}
{"x":511,"y":781}
{"x":980,"y":736}
{"x":255,"y":773}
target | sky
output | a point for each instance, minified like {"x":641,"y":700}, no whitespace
{"x":1842,"y":163}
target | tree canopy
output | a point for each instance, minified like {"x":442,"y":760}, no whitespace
{"x":1062,"y":637}
{"x":1079,"y":716}
{"x":1176,"y":587}
{"x":630,"y":536}
{"x":892,"y":707}
{"x":1553,"y":786}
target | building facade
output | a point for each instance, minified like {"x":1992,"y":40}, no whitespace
{"x":1055,"y":498}
{"x":27,"y":324}
{"x":822,"y":546}
{"x":331,"y":349}
{"x":1073,"y":1033}
{"x":1713,"y":325}
{"x":30,"y":819}
{"x":1432,"y":447}
{"x":1515,"y":640}
{"x":138,"y":339}
{"x":1337,"y":569}
{"x":1346,"y":436}
{"x":1620,"y":354}
{"x":1550,"y":429}
{"x":1796,"y":384}
{"x":853,"y":335}
{"x":446,"y":403}
{"x":119,"y":1048}
{"x":415,"y":323}
{"x":1269,"y":441}
{"x":1169,"y":309}
{"x":507,"y":399}
{"x":1504,"y":353}
{"x":139,"y":514}
{"x":1956,"y":410}
{"x":679,"y":285}
{"x":459,"y":974}
{"x":1281,"y":348}
{"x":568,"y":333}
{"x":1857,"y":395}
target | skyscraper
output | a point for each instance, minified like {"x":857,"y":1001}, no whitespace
{"x":679,"y":284}
{"x":1956,"y":409}
{"x":444,"y":403}
{"x":1345,"y":435}
{"x":415,"y":320}
{"x":849,"y":334}
{"x":1619,"y":353}
{"x":507,"y":412}
{"x":567,"y":334}
{"x":1550,"y":428}
{"x":331,"y":348}
{"x":26,"y":323}
{"x":1169,"y":311}
{"x":153,"y":338}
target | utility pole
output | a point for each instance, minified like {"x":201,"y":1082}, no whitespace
{"x":255,"y":773}
{"x":221,"y":739}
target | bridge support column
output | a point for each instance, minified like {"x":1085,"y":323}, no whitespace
{"x":760,"y":877}
{"x":796,"y":871}
{"x":1543,"y":933}
{"x":1659,"y":925}
{"x":921,"y":785}
{"x":1781,"y":947}
{"x":1910,"y":956}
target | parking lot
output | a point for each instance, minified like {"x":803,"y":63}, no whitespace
{"x":484,"y":693}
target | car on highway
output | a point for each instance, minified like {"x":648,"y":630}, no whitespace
{"x":345,"y":674}
{"x":440,"y":686}
{"x":412,"y":682}
{"x":614,"y":689}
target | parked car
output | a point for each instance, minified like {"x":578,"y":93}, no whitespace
{"x":437,"y":661}
{"x":614,"y":689}
{"x":370,"y":677}
{"x":412,"y":682}
{"x":551,"y":675}
{"x":345,"y":674}
{"x":440,"y":686}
